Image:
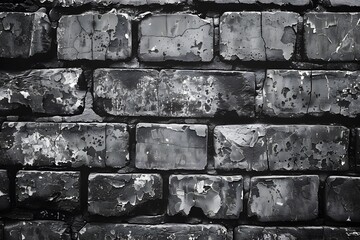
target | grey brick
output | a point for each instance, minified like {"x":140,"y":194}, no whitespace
{"x":4,"y":191}
{"x":180,"y":37}
{"x":48,"y":190}
{"x":217,"y":196}
{"x":107,"y":3}
{"x":347,"y":233}
{"x":276,"y":2}
{"x":350,"y":3}
{"x":171,"y":146}
{"x":277,"y":198}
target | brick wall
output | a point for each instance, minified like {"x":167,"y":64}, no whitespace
{"x":179,"y":119}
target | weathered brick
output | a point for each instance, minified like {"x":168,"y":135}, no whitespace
{"x":307,"y":147}
{"x":30,"y":230}
{"x":279,"y":31}
{"x":44,"y":91}
{"x":350,"y":3}
{"x":23,"y":35}
{"x":93,"y":231}
{"x":126,"y":92}
{"x":240,"y":36}
{"x":181,"y":37}
{"x":277,"y":2}
{"x":187,"y":93}
{"x":105,"y":3}
{"x":118,"y":194}
{"x":217,"y":196}
{"x":94,"y":36}
{"x":343,"y":198}
{"x":335,"y":92}
{"x":171,"y":146}
{"x":240,"y":147}
{"x":286,"y":93}
{"x":4,"y":191}
{"x":332,"y":36}
{"x":245,"y":232}
{"x":277,"y":198}
{"x":48,"y":190}
{"x":348,"y":233}
{"x":64,"y":144}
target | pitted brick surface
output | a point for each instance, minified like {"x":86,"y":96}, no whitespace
{"x":4,"y":190}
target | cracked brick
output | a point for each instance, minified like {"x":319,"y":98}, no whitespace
{"x":332,"y":36}
{"x":207,"y":193}
{"x":171,"y":146}
{"x":119,"y":194}
{"x":4,"y":191}
{"x":94,"y":231}
{"x":126,"y":92}
{"x":179,"y":37}
{"x":64,"y":144}
{"x":342,"y":196}
{"x":94,"y":36}
{"x":43,"y":91}
{"x":277,"y":198}
{"x":48,"y":190}
{"x":23,"y":35}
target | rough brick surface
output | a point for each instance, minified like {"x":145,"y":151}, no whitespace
{"x":185,"y":93}
{"x":240,"y":147}
{"x":126,"y":92}
{"x":299,"y":233}
{"x":277,"y":198}
{"x":29,"y":230}
{"x":348,"y":233}
{"x":44,"y":91}
{"x":343,"y":198}
{"x":351,"y":3}
{"x":94,"y":36}
{"x":23,"y":35}
{"x":181,"y":37}
{"x":307,"y":147}
{"x":332,"y":36}
{"x":4,"y":190}
{"x":118,"y":194}
{"x":216,"y":196}
{"x":152,"y":232}
{"x":64,"y":144}
{"x":277,"y":2}
{"x":48,"y":189}
{"x":171,"y":146}
{"x":106,"y":3}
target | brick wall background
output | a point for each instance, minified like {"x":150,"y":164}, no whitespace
{"x":179,"y":119}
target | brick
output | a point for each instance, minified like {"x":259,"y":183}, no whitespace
{"x":29,"y":230}
{"x":94,"y":36}
{"x":180,"y":37}
{"x":42,"y":91}
{"x":307,"y":147}
{"x":217,"y":196}
{"x":332,"y":36}
{"x":240,"y":147}
{"x":171,"y":146}
{"x":93,"y":231}
{"x":350,"y":3}
{"x":245,"y":232}
{"x":335,"y":92}
{"x":286,"y":93}
{"x":277,"y":198}
{"x":240,"y":36}
{"x":23,"y":35}
{"x":126,"y":92}
{"x":276,"y":2}
{"x":348,"y":233}
{"x":105,"y":3}
{"x":187,"y":93}
{"x":342,"y":196}
{"x":119,"y":194}
{"x":279,"y":31}
{"x":48,"y":190}
{"x":4,"y":191}
{"x":65,"y":144}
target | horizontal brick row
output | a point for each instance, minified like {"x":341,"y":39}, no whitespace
{"x":270,"y":198}
{"x":28,"y":230}
{"x":245,"y":36}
